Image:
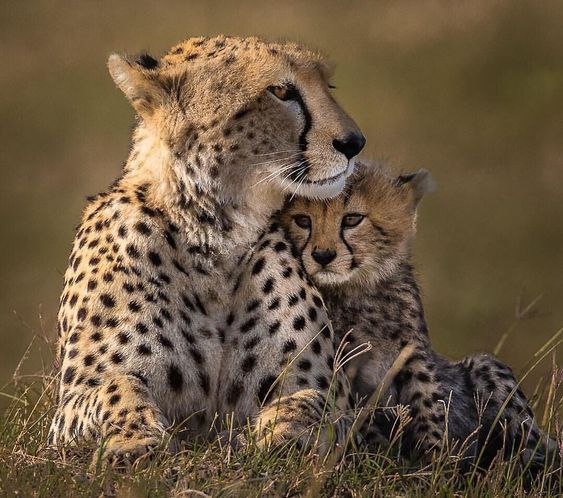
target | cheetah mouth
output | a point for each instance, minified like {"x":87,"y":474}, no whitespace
{"x":325,"y":188}
{"x":330,"y":179}
{"x":328,"y":277}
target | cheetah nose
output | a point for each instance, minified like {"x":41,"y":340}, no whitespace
{"x":351,"y":145}
{"x":323,"y":257}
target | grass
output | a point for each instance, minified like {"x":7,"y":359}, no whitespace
{"x":29,"y":468}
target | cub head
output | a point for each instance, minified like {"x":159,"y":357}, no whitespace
{"x":226,"y":109}
{"x":362,"y":235}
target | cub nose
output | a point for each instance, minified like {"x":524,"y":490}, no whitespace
{"x":323,"y":257}
{"x":351,"y":145}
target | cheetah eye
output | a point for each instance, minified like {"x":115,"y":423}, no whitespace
{"x":283,"y":92}
{"x":302,"y":221}
{"x":352,"y":220}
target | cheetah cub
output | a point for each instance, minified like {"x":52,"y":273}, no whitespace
{"x":356,"y":249}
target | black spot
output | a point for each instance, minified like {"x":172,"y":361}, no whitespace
{"x":316,"y":346}
{"x":423,"y":377}
{"x":258,"y":266}
{"x":322,"y":382}
{"x":107,"y":300}
{"x":144,"y":349}
{"x":170,"y":239}
{"x":268,"y":286}
{"x":134,"y":306}
{"x":154,"y":258}
{"x":69,"y":375}
{"x":92,"y":284}
{"x":165,"y":342}
{"x":251,"y":343}
{"x":234,"y":392}
{"x":289,"y":346}
{"x":117,"y":357}
{"x":230,"y":319}
{"x":248,"y":325}
{"x":116,"y":398}
{"x":293,"y":300}
{"x":88,"y":360}
{"x":96,"y":337}
{"x":312,"y":314}
{"x":241,"y":113}
{"x":148,"y":211}
{"x":248,"y":363}
{"x":129,"y":288}
{"x":275,"y":304}
{"x":197,"y":356}
{"x":299,"y":323}
{"x":123,"y":338}
{"x":274,"y":327}
{"x":252,"y":305}
{"x":264,"y":392}
{"x":287,"y":272}
{"x":81,"y":314}
{"x":143,"y":228}
{"x":304,"y":365}
{"x":175,"y":379}
{"x":141,"y":328}
{"x":280,"y":246}
{"x":132,"y":251}
{"x":318,"y":301}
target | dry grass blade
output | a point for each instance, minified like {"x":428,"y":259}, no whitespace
{"x":373,"y":402}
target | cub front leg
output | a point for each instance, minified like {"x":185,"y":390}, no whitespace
{"x":281,"y":355}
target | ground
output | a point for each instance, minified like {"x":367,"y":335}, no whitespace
{"x":26,"y":469}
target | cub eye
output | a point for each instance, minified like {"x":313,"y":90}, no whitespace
{"x":352,"y":220}
{"x":285,"y":92}
{"x":302,"y":221}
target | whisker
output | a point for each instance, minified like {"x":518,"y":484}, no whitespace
{"x":273,"y":161}
{"x":297,"y":151}
{"x":297,"y":166}
{"x":278,"y":172}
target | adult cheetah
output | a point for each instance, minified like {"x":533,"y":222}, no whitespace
{"x":356,"y":248}
{"x":182,"y":301}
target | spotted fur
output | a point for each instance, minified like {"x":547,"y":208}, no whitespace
{"x":370,"y":289}
{"x":168,"y":319}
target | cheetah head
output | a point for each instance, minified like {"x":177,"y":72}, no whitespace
{"x":362,"y":235}
{"x":237,"y":114}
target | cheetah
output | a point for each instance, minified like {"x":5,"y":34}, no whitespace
{"x":182,"y":302}
{"x":356,"y":249}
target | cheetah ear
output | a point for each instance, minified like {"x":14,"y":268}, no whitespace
{"x":418,"y":184}
{"x":138,"y":80}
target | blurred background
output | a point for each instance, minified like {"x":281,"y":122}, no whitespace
{"x":472,"y":91}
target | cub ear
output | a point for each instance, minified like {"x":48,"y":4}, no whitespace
{"x":418,"y":184}
{"x":138,"y":80}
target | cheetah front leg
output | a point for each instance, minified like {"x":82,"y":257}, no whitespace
{"x":281,"y":354}
{"x":119,"y":414}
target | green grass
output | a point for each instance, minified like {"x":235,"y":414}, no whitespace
{"x":29,"y":468}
